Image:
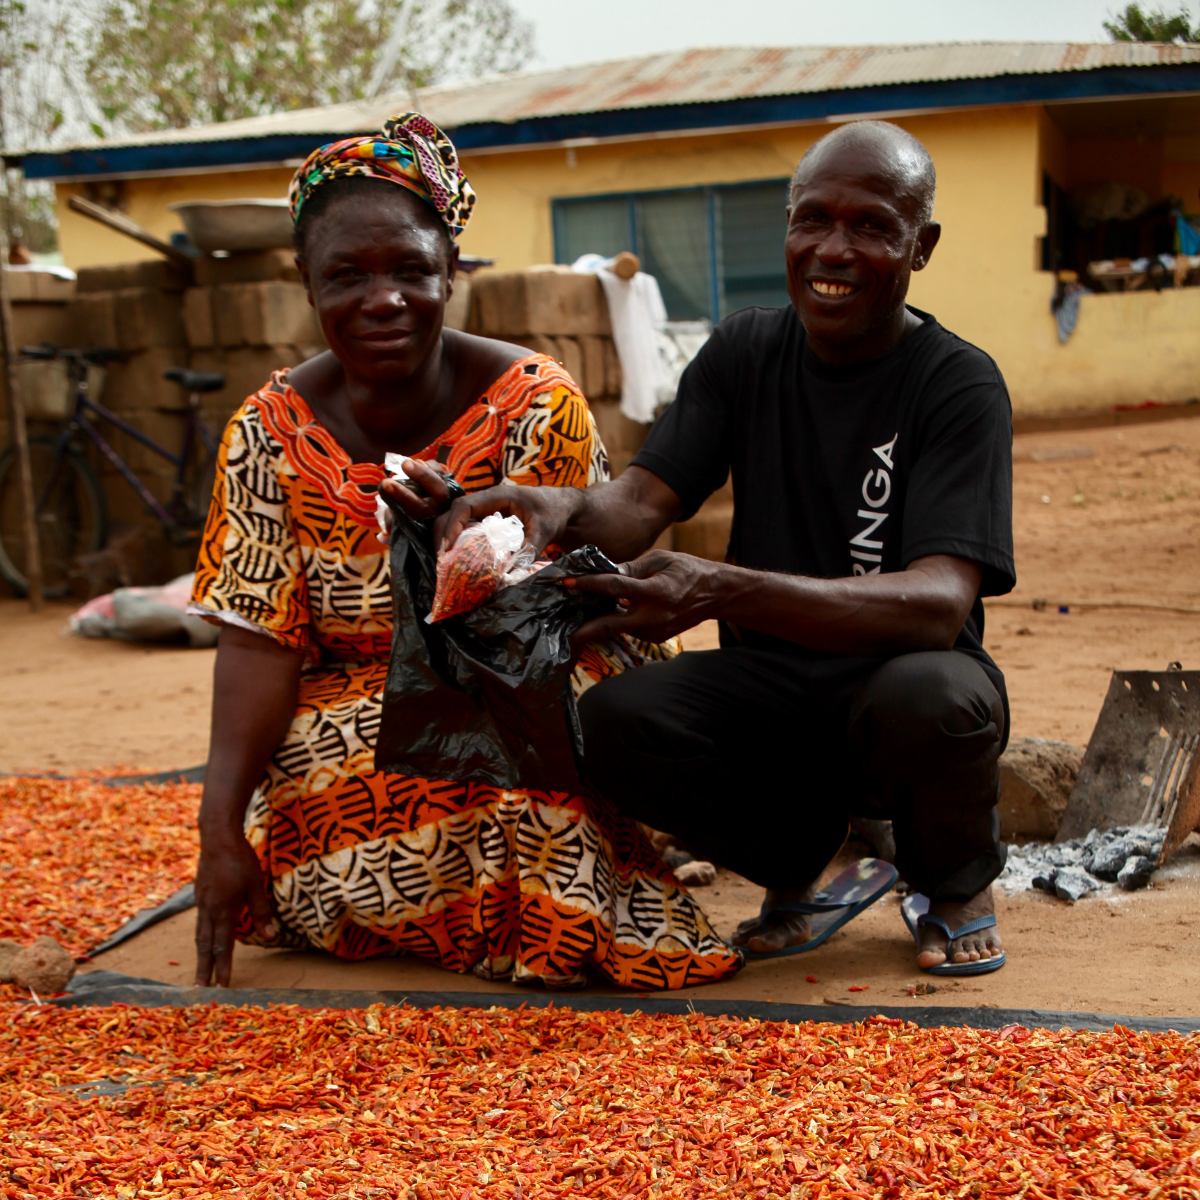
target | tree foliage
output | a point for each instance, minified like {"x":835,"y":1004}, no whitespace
{"x":40,"y":101}
{"x":175,"y":63}
{"x":1133,"y":24}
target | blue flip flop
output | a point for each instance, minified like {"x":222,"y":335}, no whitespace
{"x":915,"y":910}
{"x":848,"y":894}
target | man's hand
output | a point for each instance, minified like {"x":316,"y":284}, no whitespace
{"x":660,"y":594}
{"x":228,"y":877}
{"x":545,"y":512}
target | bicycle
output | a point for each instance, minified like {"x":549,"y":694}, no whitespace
{"x":71,"y":515}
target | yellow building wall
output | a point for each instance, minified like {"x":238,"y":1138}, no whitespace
{"x":84,"y":243}
{"x":983,"y":282}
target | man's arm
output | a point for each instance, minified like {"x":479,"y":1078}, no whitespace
{"x":623,"y":517}
{"x":662,"y":594}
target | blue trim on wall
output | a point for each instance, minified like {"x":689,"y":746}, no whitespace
{"x":763,"y":110}
{"x":176,"y":156}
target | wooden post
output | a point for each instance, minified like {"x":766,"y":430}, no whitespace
{"x":20,"y":437}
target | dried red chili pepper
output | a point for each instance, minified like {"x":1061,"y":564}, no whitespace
{"x":447,"y":1103}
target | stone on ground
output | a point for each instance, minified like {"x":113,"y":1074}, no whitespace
{"x":43,"y":967}
{"x":696,"y":873}
{"x":1037,"y":776}
{"x":8,"y":951}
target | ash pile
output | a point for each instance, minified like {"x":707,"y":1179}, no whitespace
{"x":1125,"y":856}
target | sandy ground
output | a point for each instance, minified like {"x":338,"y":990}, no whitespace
{"x":1102,"y":517}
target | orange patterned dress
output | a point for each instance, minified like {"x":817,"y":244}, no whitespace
{"x":509,"y":884}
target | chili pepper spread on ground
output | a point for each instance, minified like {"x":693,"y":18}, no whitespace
{"x":78,"y":858}
{"x":472,"y":1104}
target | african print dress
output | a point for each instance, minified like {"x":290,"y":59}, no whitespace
{"x":510,"y":884}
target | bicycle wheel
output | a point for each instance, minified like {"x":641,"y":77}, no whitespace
{"x":70,"y":519}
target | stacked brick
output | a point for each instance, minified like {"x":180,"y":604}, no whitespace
{"x":564,"y":315}
{"x":136,"y":308}
{"x":247,"y":316}
{"x":41,"y":313}
{"x":558,"y":312}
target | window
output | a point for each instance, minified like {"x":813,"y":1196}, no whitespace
{"x":713,"y":250}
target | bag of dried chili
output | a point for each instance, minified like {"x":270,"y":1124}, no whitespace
{"x":484,"y":695}
{"x":473,"y":570}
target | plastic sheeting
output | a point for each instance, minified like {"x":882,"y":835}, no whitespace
{"x":484,"y":696}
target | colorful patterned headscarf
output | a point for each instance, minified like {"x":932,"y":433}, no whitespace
{"x":410,"y":150}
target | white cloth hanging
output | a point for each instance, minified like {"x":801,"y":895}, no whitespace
{"x":638,"y":314}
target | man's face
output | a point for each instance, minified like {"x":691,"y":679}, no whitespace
{"x":854,"y":238}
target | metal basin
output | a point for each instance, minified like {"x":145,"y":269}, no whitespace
{"x":236,"y":224}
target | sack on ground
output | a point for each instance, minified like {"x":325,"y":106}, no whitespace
{"x":484,"y":696}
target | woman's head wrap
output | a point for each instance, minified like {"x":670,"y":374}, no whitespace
{"x":410,"y":150}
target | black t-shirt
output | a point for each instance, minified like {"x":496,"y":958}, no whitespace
{"x":845,"y":470}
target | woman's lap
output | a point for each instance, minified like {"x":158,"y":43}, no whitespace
{"x":527,"y":884}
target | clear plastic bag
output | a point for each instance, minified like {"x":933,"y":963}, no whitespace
{"x":486,"y":557}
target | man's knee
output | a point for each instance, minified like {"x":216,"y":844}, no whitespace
{"x":939,"y":702}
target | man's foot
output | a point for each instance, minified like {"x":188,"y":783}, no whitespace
{"x":933,"y":950}
{"x":765,"y":935}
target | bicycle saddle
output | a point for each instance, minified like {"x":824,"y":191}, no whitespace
{"x":196,"y":381}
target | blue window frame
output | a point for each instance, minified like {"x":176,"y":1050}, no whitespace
{"x":713,"y":250}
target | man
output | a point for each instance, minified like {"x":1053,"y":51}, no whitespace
{"x":871,"y":455}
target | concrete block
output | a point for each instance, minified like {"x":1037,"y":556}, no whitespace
{"x":148,"y":317}
{"x":264,"y":314}
{"x":138,"y":383}
{"x":557,"y":303}
{"x":594,"y":380}
{"x":613,"y":379}
{"x":26,"y":287}
{"x":571,"y":357}
{"x":246,"y":369}
{"x":706,"y":535}
{"x":260,"y":266}
{"x":1036,"y":779}
{"x":151,"y":273}
{"x":38,"y":322}
{"x":199,"y":325}
{"x":620,"y":435}
{"x":94,"y":319}
{"x":537,"y":343}
{"x":458,"y":309}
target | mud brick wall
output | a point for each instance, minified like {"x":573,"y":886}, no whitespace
{"x":245,"y":315}
{"x":41,"y":313}
{"x":563,"y":314}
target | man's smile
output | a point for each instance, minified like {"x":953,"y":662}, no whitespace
{"x":825,"y":288}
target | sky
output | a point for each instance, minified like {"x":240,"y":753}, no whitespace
{"x":576,"y":31}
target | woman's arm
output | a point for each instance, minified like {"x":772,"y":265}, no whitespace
{"x":255,"y":686}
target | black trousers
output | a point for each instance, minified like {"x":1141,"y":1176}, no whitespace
{"x":757,"y":760}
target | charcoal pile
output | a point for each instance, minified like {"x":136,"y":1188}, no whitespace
{"x":1125,"y":856}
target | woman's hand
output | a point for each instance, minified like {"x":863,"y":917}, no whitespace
{"x":431,"y":478}
{"x":227,"y":878}
{"x":255,"y":689}
{"x":660,"y":594}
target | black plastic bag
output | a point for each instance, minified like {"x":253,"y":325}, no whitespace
{"x":484,"y":696}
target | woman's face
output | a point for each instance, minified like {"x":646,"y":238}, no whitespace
{"x":379,"y":269}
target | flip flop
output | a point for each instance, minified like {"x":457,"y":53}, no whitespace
{"x":848,"y":894}
{"x":915,"y":910}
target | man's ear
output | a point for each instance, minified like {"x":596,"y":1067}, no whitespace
{"x":929,"y":237}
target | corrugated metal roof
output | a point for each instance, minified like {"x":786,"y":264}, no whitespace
{"x":685,"y":77}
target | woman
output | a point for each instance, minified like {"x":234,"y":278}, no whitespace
{"x":302,"y":842}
